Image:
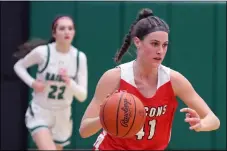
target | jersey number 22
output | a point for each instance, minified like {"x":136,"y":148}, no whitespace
{"x":56,"y":92}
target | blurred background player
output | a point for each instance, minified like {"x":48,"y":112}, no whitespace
{"x":62,"y":75}
{"x":154,"y":84}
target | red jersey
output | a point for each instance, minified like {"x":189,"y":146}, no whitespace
{"x":160,"y":109}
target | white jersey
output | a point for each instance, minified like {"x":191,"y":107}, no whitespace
{"x":57,"y":94}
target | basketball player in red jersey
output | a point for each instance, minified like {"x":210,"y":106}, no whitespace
{"x":154,"y":84}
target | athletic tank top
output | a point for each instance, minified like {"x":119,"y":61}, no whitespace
{"x":57,"y":94}
{"x":160,"y":109}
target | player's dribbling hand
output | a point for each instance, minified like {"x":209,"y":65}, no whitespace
{"x":108,"y":97}
{"x":38,"y":86}
{"x":192,"y":118}
{"x":112,"y":93}
{"x":64,"y":76}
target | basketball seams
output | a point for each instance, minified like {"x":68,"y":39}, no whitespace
{"x":104,"y":115}
{"x":122,"y":93}
{"x":124,"y":108}
{"x":133,"y":117}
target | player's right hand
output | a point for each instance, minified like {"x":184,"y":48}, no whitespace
{"x":38,"y":86}
{"x":112,"y":93}
{"x":108,"y":97}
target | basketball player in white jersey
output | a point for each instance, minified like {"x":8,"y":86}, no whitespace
{"x":154,"y":84}
{"x":62,"y":75}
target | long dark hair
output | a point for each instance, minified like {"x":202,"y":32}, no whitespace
{"x":144,"y":24}
{"x":25,"y":48}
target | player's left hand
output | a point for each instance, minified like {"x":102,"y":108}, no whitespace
{"x":193,"y":118}
{"x":64,"y":75}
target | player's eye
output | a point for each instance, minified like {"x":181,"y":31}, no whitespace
{"x":70,"y":28}
{"x":155,"y":44}
{"x":62,"y":28}
{"x":165,"y":45}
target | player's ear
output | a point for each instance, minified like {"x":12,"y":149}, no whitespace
{"x":137,"y":42}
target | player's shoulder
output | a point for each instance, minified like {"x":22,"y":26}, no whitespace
{"x":112,"y":74}
{"x":176,"y":77}
{"x":165,"y":69}
{"x":41,"y":50}
{"x":113,"y":71}
{"x":179,"y":82}
{"x":126,"y":64}
{"x":165,"y":74}
{"x":75,"y":51}
{"x":110,"y":80}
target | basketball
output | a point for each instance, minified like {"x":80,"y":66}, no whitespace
{"x":122,"y":114}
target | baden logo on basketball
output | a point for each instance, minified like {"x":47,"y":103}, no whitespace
{"x":127,"y":113}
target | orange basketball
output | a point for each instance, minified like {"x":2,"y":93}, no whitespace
{"x":122,"y":115}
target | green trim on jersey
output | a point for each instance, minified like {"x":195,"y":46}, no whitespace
{"x":36,"y":127}
{"x":77,"y":65}
{"x":30,"y":109}
{"x":48,"y":59}
{"x":62,"y":142}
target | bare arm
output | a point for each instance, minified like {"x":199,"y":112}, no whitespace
{"x":185,"y":91}
{"x":107,"y":84}
{"x":80,"y":87}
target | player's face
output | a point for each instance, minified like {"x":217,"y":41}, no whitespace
{"x":152,"y":49}
{"x":65,"y":31}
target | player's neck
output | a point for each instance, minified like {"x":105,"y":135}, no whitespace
{"x":144,"y":70}
{"x":62,"y":48}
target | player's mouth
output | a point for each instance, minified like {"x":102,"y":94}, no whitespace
{"x":157,"y":58}
{"x":67,"y":37}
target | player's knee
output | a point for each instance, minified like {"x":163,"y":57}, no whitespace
{"x":43,"y":140}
